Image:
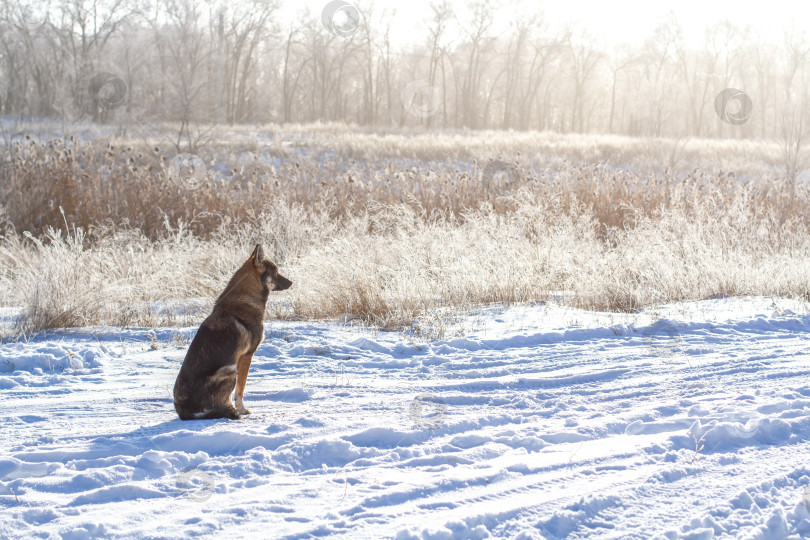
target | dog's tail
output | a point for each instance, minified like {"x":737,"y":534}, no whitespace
{"x":221,"y":411}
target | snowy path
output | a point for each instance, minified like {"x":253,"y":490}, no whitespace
{"x":541,"y":422}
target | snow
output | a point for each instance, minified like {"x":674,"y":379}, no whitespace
{"x":688,"y":421}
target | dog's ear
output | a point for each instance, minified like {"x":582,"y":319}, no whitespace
{"x":258,"y":255}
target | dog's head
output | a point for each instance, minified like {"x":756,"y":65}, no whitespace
{"x":267,"y":271}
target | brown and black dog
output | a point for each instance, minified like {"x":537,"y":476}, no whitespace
{"x":219,"y":356}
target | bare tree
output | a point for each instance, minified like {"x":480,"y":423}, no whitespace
{"x":658,"y":60}
{"x":246,"y":29}
{"x":477,"y":37}
{"x":622,"y":59}
{"x":519,"y":42}
{"x":794,"y":121}
{"x":437,"y":29}
{"x":584,"y":59}
{"x":184,"y":50}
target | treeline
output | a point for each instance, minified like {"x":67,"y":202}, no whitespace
{"x":486,"y":66}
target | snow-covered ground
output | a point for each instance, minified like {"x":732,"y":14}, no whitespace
{"x":537,"y":422}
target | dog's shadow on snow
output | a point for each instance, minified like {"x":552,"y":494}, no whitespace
{"x":169,"y":435}
{"x":162,"y":430}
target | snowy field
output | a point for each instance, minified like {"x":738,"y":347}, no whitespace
{"x":692,"y":421}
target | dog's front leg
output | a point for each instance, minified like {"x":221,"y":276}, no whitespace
{"x":242,"y":367}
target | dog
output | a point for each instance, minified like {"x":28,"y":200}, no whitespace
{"x":219,"y":357}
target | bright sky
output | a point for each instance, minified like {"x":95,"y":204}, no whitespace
{"x":622,"y":21}
{"x":611,"y":22}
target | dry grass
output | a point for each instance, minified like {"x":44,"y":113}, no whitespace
{"x":380,"y":241}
